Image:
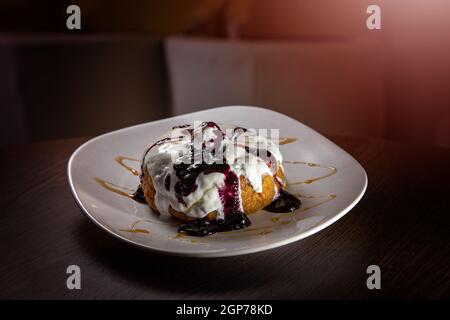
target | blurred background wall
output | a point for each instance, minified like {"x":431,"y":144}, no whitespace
{"x":139,"y":61}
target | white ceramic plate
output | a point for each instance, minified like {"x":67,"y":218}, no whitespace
{"x":340,"y":185}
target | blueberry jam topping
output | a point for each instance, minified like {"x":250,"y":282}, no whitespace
{"x":285,"y":202}
{"x":138,"y":195}
{"x":229,"y":193}
{"x":167,"y":182}
{"x":203,"y":227}
{"x":187,"y":174}
{"x":229,"y":196}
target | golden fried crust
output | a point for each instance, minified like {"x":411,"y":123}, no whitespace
{"x":251,"y":201}
{"x":149,"y":190}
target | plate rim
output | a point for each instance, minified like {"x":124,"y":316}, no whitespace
{"x":218,"y":253}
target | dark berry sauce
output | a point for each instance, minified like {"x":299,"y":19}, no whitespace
{"x":229,"y":194}
{"x":138,"y":195}
{"x":167,"y":182}
{"x":285,"y":202}
{"x":204,"y":227}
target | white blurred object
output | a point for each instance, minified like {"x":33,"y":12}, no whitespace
{"x":336,"y":87}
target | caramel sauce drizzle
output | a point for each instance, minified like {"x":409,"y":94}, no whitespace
{"x":121,"y":161}
{"x":332,"y":169}
{"x":286,"y":140}
{"x":114,"y":188}
{"x":135,"y":230}
{"x":249,"y":229}
{"x":184,"y":238}
{"x":277,"y":220}
{"x":328,"y":198}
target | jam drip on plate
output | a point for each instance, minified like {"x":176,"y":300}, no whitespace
{"x":285,"y":202}
{"x":204,"y":227}
{"x":138,"y":195}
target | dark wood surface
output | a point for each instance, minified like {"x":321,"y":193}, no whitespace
{"x":401,"y":224}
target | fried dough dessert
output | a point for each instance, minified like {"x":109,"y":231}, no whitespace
{"x":211,"y":177}
{"x":252,"y":201}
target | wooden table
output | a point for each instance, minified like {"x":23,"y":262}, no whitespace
{"x":401,"y":224}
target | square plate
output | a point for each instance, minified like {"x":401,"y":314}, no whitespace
{"x":326,"y":178}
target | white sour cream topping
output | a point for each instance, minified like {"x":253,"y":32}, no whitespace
{"x":159,"y":162}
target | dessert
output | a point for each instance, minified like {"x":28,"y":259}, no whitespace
{"x":210,"y":177}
